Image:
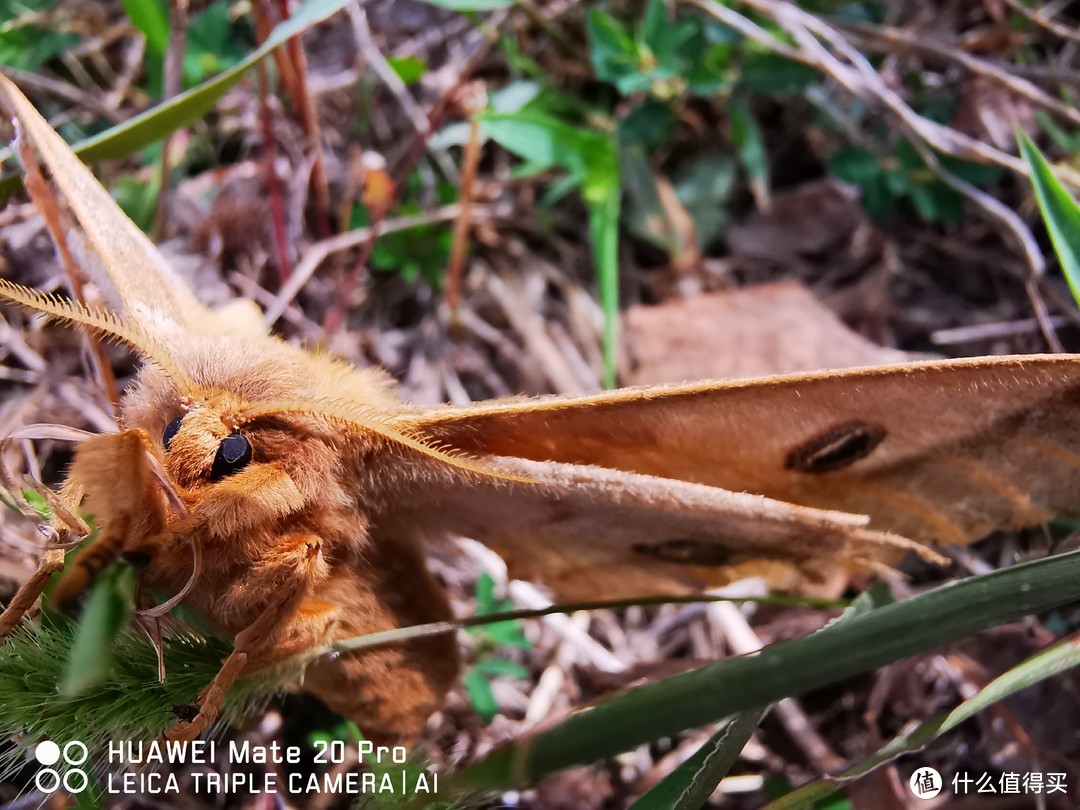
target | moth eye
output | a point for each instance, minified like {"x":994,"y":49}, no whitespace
{"x":232,"y":456}
{"x":171,"y":430}
{"x":836,"y":449}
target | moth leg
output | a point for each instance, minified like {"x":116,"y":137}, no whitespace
{"x":101,"y":552}
{"x":304,"y":564}
{"x":113,"y":475}
{"x":51,"y":561}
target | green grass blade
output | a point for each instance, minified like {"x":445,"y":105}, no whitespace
{"x":1060,"y":212}
{"x":107,"y":610}
{"x":1045,"y":664}
{"x":689,"y":786}
{"x":750,"y":145}
{"x":128,"y":704}
{"x":591,"y":158}
{"x":147,"y":16}
{"x":604,"y":230}
{"x":188,"y":107}
{"x":858,"y":644}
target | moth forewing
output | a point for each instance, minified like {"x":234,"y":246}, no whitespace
{"x":938,"y":452}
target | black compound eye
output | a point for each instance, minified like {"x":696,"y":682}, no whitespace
{"x":171,"y":430}
{"x":232,"y":456}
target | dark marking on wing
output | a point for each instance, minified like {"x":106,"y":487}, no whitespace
{"x":836,"y":448}
{"x":689,"y":552}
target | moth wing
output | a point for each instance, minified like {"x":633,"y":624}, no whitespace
{"x":941,"y":452}
{"x":591,"y":533}
{"x":133,"y":274}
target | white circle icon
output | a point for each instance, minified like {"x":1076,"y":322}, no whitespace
{"x":75,"y":752}
{"x":49,"y":779}
{"x":47,"y":753}
{"x":925,"y":783}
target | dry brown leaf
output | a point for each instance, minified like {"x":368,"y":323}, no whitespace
{"x":804,"y":221}
{"x":753,"y":332}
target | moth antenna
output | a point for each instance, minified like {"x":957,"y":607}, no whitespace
{"x":369,"y":418}
{"x":107,"y":324}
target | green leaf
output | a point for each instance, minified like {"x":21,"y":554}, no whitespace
{"x":492,"y":667}
{"x":107,"y":611}
{"x":149,"y":17}
{"x":591,"y":158}
{"x":539,"y":140}
{"x":647,"y":124}
{"x":213,"y":44}
{"x":856,"y":645}
{"x":772,"y":75}
{"x":1067,"y":142}
{"x":861,"y":168}
{"x":614,"y":54}
{"x":40,"y":505}
{"x":409,"y":69}
{"x":480,"y":695}
{"x":1060,"y":212}
{"x":746,"y":136}
{"x":690,"y":785}
{"x":138,"y":198}
{"x":937,"y":203}
{"x":704,"y":185}
{"x":25,"y":46}
{"x":485,"y":595}
{"x":158,"y":122}
{"x":854,"y":165}
{"x":653,"y":25}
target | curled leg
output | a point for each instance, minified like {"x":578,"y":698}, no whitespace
{"x":51,"y":561}
{"x":112,"y":477}
{"x":299,"y":566}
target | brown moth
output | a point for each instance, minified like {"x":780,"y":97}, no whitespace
{"x":288,"y":496}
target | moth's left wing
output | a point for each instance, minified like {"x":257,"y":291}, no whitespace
{"x":595,"y":533}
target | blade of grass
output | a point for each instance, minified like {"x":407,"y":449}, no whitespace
{"x":188,"y":107}
{"x":689,"y":786}
{"x":1060,"y":212}
{"x":1045,"y":664}
{"x":591,"y":159}
{"x":858,"y":644}
{"x":147,"y":16}
{"x":415,"y":631}
{"x":107,"y":610}
{"x":604,"y":200}
{"x":128,"y":704}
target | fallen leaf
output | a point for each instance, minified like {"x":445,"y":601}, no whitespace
{"x":751,"y":332}
{"x":804,"y":221}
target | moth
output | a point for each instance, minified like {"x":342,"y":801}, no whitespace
{"x":288,"y":496}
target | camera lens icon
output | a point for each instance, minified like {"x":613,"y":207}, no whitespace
{"x":73,"y":779}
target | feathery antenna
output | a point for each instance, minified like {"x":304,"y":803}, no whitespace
{"x":107,"y":324}
{"x":368,"y":418}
